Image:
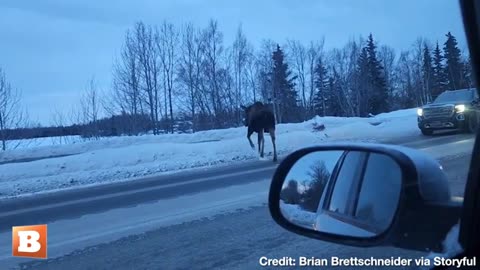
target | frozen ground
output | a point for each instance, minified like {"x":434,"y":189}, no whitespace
{"x":120,"y":158}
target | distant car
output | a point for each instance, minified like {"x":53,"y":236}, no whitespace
{"x":458,"y":109}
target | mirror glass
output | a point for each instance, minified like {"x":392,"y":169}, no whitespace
{"x":349,"y":193}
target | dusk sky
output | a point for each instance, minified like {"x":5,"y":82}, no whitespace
{"x":300,"y":171}
{"x":50,"y":49}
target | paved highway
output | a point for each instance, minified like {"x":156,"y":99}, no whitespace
{"x":201,"y":219}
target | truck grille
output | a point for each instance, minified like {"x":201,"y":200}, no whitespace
{"x":438,"y":112}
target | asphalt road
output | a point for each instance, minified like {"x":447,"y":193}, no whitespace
{"x":80,"y":220}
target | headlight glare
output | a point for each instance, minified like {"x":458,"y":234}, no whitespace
{"x":420,"y":112}
{"x":460,"y":108}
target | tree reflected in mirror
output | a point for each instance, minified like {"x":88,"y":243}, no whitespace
{"x":342,"y":192}
{"x":305,"y":184}
{"x":314,"y":188}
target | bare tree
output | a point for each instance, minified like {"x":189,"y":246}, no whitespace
{"x":406,"y":81}
{"x":150,"y":66}
{"x":344,"y":63}
{"x":265,"y":65}
{"x":423,"y":95}
{"x":252,"y":74}
{"x":126,"y":96}
{"x":12,"y":115}
{"x":298,"y":55}
{"x":90,"y":105}
{"x":167,"y":41}
{"x":60,"y":120}
{"x":241,"y":52}
{"x":314,"y":52}
{"x":213,"y":40}
{"x":189,"y":68}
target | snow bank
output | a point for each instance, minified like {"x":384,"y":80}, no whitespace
{"x":325,"y":223}
{"x":297,"y":215}
{"x":120,"y":158}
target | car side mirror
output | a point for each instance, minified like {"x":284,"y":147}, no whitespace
{"x":364,"y":195}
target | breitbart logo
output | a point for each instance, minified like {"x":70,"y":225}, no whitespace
{"x":29,"y":241}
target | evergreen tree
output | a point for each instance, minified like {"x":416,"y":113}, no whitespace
{"x":335,"y":95}
{"x":379,"y":92}
{"x":439,"y":79}
{"x":290,"y":194}
{"x":427,"y":73}
{"x":453,"y":65}
{"x":321,"y":87}
{"x":284,"y":89}
{"x":372,"y":93}
{"x":362,"y":92}
{"x":326,"y":101}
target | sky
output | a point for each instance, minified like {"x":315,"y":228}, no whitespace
{"x":50,"y":49}
{"x":301,"y":169}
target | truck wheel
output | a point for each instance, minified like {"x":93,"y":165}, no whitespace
{"x":427,"y":132}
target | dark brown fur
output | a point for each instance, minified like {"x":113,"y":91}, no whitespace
{"x":259,"y":118}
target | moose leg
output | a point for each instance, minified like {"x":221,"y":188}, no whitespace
{"x":260,"y":142}
{"x":263,"y":145}
{"x":272,"y":135}
{"x":249,"y":134}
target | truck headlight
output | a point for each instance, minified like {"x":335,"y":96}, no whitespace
{"x":460,"y":108}
{"x":420,"y":112}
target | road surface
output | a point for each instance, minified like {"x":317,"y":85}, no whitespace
{"x":202,"y":219}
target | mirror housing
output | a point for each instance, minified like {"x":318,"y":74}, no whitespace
{"x":425,"y":199}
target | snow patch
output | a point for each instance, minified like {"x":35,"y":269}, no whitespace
{"x":297,"y":215}
{"x":451,"y":246}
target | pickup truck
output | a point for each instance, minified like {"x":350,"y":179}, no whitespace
{"x":457,"y":109}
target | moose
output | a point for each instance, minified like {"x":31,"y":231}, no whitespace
{"x":259,"y":118}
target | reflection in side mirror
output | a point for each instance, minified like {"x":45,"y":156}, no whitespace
{"x":348,"y":193}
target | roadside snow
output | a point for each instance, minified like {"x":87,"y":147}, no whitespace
{"x":320,"y":222}
{"x":297,"y":215}
{"x":120,"y":158}
{"x":451,"y":246}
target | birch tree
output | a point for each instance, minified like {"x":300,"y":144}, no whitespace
{"x":12,"y":115}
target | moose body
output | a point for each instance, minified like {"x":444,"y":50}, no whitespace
{"x":259,"y":118}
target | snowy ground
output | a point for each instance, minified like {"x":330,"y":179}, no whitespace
{"x":297,"y":215}
{"x":42,"y":142}
{"x":120,"y":158}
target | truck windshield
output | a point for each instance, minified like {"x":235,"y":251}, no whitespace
{"x":455,"y":96}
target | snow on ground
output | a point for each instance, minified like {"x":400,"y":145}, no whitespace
{"x":296,"y":215}
{"x":322,"y":222}
{"x":120,"y":158}
{"x":38,"y":142}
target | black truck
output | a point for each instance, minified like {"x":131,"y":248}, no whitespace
{"x":458,"y":109}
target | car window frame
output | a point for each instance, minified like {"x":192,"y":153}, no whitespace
{"x":348,"y":218}
{"x":469,"y":233}
{"x":333,"y":183}
{"x":324,"y":200}
{"x":375,"y":229}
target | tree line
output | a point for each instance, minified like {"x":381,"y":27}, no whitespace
{"x":161,"y":66}
{"x":170,"y":78}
